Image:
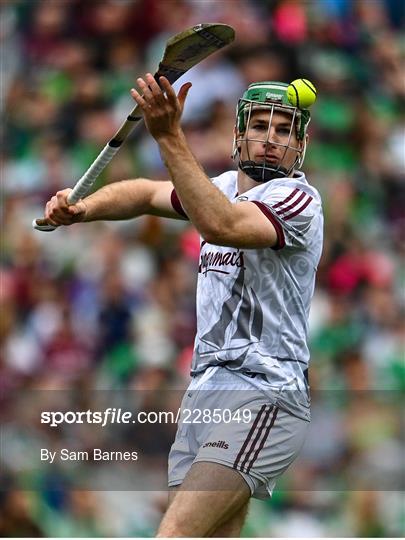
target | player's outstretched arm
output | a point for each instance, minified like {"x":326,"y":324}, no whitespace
{"x":117,"y":201}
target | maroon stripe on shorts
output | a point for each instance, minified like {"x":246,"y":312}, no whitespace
{"x":257,"y":438}
{"x":264,"y":439}
{"x":250,"y":435}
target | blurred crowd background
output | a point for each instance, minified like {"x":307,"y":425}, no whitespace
{"x":111,"y":305}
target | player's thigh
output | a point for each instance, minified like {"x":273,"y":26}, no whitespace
{"x":210,"y":496}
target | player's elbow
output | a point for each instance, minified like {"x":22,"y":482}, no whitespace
{"x":213,"y":239}
{"x":224,"y":229}
{"x":212,"y":233}
{"x":219,"y":235}
{"x":239,"y":235}
{"x":210,"y":236}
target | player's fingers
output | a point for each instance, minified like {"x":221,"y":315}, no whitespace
{"x":48,"y":217}
{"x":168,"y":88}
{"x":58,"y":213}
{"x":53,"y":203}
{"x":146,"y":91}
{"x":47,"y":208}
{"x":78,"y":210}
{"x":155,"y":88}
{"x":53,"y":223}
{"x":60,"y":218}
{"x":58,"y":204}
{"x":182,"y":95}
{"x":139,"y":99}
{"x":61,"y":198}
{"x":63,"y":221}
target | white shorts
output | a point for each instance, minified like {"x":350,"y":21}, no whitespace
{"x":227,"y":420}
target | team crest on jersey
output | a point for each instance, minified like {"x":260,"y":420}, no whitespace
{"x":220,"y":261}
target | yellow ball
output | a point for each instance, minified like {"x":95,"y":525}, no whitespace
{"x":301,"y":93}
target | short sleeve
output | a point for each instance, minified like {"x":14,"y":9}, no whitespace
{"x":291,"y":211}
{"x":176,"y":204}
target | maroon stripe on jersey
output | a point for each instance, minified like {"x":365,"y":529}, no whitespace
{"x":174,"y":199}
{"x":264,"y":439}
{"x":290,"y":206}
{"x":290,"y":196}
{"x":299,"y":210}
{"x":276,"y":224}
{"x":256,"y":439}
{"x":250,"y":435}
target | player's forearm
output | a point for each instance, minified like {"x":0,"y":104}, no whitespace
{"x":206,"y":206}
{"x":121,"y":200}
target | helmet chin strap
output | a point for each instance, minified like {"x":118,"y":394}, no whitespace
{"x":258,"y":173}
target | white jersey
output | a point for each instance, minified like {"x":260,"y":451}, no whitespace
{"x":253,"y":304}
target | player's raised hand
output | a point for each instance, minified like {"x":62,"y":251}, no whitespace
{"x":161,"y":107}
{"x":59,"y":212}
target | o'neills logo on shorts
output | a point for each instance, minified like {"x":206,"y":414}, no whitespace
{"x":213,"y":261}
{"x":218,"y":444}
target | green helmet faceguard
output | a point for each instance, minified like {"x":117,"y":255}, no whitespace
{"x":269,"y":96}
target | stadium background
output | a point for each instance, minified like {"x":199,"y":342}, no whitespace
{"x":112,"y":305}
